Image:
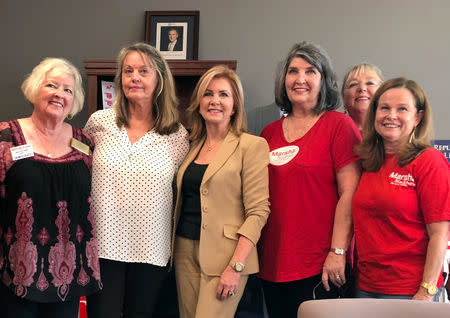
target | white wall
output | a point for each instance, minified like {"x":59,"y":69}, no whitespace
{"x":403,"y":37}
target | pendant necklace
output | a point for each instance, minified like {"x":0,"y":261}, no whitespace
{"x":43,"y":144}
{"x":209,"y":147}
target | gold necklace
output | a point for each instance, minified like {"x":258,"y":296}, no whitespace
{"x":209,"y":147}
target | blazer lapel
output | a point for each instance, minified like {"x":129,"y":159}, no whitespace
{"x":226,"y":149}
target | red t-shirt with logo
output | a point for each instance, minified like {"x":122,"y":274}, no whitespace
{"x":303,"y":196}
{"x":390,"y":210}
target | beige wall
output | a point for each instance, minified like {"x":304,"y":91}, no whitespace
{"x":403,"y":37}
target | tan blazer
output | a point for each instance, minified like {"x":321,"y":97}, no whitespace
{"x":234,"y":196}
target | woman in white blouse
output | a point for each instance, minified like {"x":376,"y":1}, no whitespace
{"x":139,"y":146}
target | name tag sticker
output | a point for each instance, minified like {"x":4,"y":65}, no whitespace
{"x":78,"y":145}
{"x":282,"y":156}
{"x":22,"y":152}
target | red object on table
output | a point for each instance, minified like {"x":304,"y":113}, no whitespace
{"x":82,"y":312}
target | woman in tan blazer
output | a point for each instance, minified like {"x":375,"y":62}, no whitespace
{"x":222,"y":200}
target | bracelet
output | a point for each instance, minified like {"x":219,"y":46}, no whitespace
{"x":337,"y":251}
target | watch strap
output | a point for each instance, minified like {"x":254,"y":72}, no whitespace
{"x":431,"y":289}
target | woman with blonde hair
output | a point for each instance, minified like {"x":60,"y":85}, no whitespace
{"x":48,"y":245}
{"x":360,"y":83}
{"x":139,"y":147}
{"x":222,"y":202}
{"x":401,"y":209}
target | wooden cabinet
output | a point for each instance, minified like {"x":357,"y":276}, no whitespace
{"x":186,"y":75}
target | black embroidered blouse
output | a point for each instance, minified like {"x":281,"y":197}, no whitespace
{"x":48,"y":245}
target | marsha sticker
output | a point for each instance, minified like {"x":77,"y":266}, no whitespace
{"x":281,"y":156}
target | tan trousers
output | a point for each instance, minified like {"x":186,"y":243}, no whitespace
{"x":196,"y":290}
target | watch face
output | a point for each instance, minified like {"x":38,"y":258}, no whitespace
{"x":432,"y":290}
{"x":239,"y":267}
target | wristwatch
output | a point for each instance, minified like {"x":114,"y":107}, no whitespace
{"x":431,"y":289}
{"x":337,"y":251}
{"x":238,"y":267}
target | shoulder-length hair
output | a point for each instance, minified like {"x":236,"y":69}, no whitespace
{"x":362,"y":68}
{"x":33,"y":83}
{"x":329,"y":96}
{"x":164,"y":104}
{"x":371,"y":150}
{"x":238,"y":122}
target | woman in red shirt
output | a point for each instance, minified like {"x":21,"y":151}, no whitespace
{"x":313,"y":173}
{"x":401,"y":209}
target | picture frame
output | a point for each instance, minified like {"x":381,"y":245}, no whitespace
{"x":173,"y":33}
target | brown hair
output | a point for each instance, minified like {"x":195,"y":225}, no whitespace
{"x":165,"y":102}
{"x":371,"y":150}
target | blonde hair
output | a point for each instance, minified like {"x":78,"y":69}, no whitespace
{"x":165,"y":112}
{"x":33,"y":83}
{"x":238,"y":121}
{"x":362,"y":68}
{"x":371,"y":150}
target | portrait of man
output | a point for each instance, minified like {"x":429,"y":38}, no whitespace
{"x":172,"y":40}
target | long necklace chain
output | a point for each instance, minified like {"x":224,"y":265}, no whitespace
{"x":41,"y":141}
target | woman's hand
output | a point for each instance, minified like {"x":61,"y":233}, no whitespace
{"x":228,"y":285}
{"x":334,"y":267}
{"x":333,"y":270}
{"x":437,"y":245}
{"x":422,"y":295}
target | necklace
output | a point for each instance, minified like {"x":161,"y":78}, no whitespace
{"x":209,"y":147}
{"x":301,"y":131}
{"x":41,"y":141}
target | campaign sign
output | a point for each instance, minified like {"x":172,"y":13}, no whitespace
{"x":444,"y":147}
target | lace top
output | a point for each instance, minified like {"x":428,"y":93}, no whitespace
{"x":48,"y":245}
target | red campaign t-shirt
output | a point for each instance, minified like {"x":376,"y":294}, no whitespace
{"x":390,"y":210}
{"x":303,"y":196}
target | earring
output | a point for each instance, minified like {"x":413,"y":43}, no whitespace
{"x":412,"y":136}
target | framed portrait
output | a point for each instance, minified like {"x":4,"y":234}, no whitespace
{"x":173,"y":33}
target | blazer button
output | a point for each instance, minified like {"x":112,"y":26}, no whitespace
{"x":205,"y":191}
{"x":205,"y":209}
{"x":204,"y":226}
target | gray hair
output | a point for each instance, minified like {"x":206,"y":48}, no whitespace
{"x":329,"y":96}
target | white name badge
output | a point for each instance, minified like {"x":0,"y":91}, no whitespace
{"x":281,"y":156}
{"x":21,"y":152}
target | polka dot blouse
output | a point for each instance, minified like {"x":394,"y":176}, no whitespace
{"x":132,"y":190}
